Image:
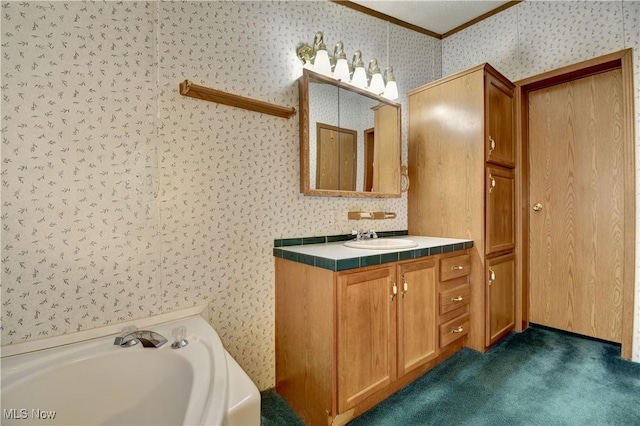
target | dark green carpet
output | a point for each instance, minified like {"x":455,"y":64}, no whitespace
{"x":539,"y":377}
{"x":276,"y":412}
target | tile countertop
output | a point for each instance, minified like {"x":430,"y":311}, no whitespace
{"x":336,"y":257}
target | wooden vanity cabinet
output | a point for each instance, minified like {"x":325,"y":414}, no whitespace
{"x":347,"y":340}
{"x":455,"y":296}
{"x":366,"y":335}
{"x":500,"y":210}
{"x":417,"y":314}
{"x":499,"y":141}
{"x":500,"y":318}
{"x":462,"y":174}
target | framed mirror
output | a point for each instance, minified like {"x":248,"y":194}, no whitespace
{"x":350,"y":141}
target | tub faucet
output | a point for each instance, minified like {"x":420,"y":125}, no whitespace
{"x":149,"y":339}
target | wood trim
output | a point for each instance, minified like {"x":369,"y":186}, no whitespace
{"x":522,"y":210}
{"x":384,"y":17}
{"x":213,"y":95}
{"x":618,"y":60}
{"x":421,"y":30}
{"x":480,"y":18}
{"x":303,"y":129}
{"x":574,"y":71}
{"x":628,"y":301}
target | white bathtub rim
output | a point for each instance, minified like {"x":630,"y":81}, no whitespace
{"x":95,"y":333}
{"x":202,"y":408}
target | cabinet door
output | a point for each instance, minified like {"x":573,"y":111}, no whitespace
{"x":417,"y":310}
{"x":500,"y":210}
{"x":366,"y":334}
{"x":500,"y":278}
{"x":499,"y":140}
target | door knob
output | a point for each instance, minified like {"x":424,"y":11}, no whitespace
{"x":537,"y":207}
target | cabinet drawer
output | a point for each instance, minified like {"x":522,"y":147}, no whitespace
{"x":454,"y":267}
{"x":454,"y":329}
{"x":454,"y":298}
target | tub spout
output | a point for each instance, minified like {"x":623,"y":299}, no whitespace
{"x":149,"y":339}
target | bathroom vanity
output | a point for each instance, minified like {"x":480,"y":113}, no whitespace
{"x":354,"y":326}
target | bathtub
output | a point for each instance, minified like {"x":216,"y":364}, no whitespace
{"x":94,"y":382}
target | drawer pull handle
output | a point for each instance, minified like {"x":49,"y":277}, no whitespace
{"x":394,"y":291}
{"x":492,"y":145}
{"x":456,"y":299}
{"x":457,"y":268}
{"x":457,"y":330}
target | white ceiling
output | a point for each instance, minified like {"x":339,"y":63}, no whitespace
{"x":433,"y":15}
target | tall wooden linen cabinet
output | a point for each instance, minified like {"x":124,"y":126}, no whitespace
{"x":462,"y":171}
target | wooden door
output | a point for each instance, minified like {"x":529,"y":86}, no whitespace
{"x":417,"y":310}
{"x":366,"y":335}
{"x":348,"y":157}
{"x":500,"y":210}
{"x":577,"y":192}
{"x":336,"y":158}
{"x":500,"y":313}
{"x":369,"y":139}
{"x":499,"y":141}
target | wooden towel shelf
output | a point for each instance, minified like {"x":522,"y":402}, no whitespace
{"x":212,"y":95}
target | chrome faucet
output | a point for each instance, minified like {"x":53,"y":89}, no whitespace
{"x":362,"y":235}
{"x":149,"y":339}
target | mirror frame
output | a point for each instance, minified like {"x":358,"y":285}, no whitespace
{"x":303,"y":85}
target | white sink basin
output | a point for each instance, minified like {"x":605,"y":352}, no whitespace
{"x":381,"y":244}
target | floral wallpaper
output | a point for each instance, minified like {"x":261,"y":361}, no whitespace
{"x":80,"y":244}
{"x":122,"y":199}
{"x":538,"y":36}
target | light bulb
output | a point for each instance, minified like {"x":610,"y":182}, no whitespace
{"x":376,"y":85}
{"x":391,"y":90}
{"x":321,"y":64}
{"x":341,"y":70}
{"x":359,"y":78}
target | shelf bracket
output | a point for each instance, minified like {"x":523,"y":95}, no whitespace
{"x":212,"y":95}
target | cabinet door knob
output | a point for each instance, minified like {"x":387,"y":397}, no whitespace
{"x":537,"y":207}
{"x":492,"y":145}
{"x":492,"y":276}
{"x":456,"y":299}
{"x":405,"y":286}
{"x":492,"y":184}
{"x":394,"y":291}
{"x":457,"y":330}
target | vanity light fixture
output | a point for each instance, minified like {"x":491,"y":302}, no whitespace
{"x":359,"y":78}
{"x":341,"y":71}
{"x":391,"y":89}
{"x":376,"y":84}
{"x":317,"y":59}
{"x":321,"y":64}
